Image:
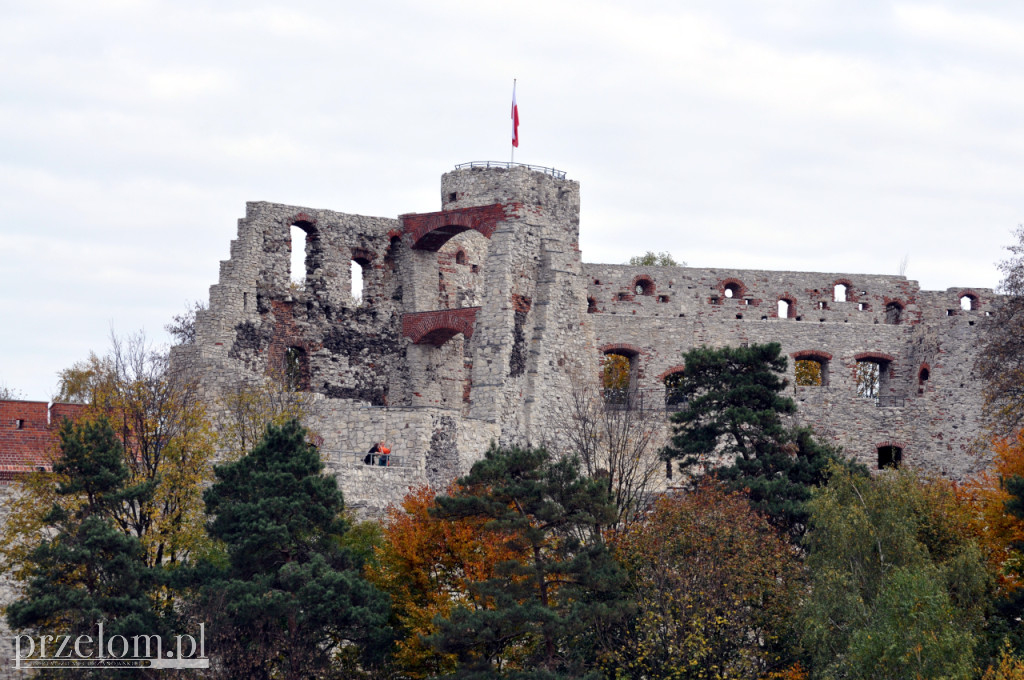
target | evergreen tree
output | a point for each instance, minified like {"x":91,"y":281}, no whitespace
{"x":550,"y":611}
{"x":289,"y":596}
{"x":90,"y":571}
{"x":732,"y":413}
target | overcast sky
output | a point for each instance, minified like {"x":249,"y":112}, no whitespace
{"x":819,"y":135}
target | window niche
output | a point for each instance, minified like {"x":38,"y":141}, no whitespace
{"x":296,"y":369}
{"x":811,"y":369}
{"x":889,"y":457}
{"x":893,"y":313}
{"x":298,"y":261}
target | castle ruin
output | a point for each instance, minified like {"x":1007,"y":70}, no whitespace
{"x":476,"y":323}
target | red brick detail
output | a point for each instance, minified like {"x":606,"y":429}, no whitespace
{"x":811,"y":354}
{"x":520,"y":303}
{"x":362,"y":256}
{"x":287,"y":334}
{"x":439,"y":326}
{"x":623,"y":348}
{"x":669,"y":371}
{"x":725,"y":283}
{"x":791,"y":311}
{"x":303,"y":220}
{"x":851,"y":292}
{"x":393,"y":234}
{"x":874,"y":356}
{"x":32,"y":445}
{"x":645,"y":282}
{"x":892,"y":442}
{"x":430,"y":231}
{"x":975,"y":298}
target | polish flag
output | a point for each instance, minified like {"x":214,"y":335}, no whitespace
{"x":515,"y":118}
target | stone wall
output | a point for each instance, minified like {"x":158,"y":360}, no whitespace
{"x":657,"y":313}
{"x":478,"y":322}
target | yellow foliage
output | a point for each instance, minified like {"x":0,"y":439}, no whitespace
{"x":808,"y":373}
{"x":1009,"y":667}
{"x":615,"y":372}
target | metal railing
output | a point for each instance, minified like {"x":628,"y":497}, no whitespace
{"x":557,"y":174}
{"x":643,"y":400}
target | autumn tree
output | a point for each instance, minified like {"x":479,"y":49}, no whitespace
{"x":617,"y":446}
{"x":808,"y":373}
{"x":87,"y":570}
{"x":1000,"y":363}
{"x":428,"y":564}
{"x":899,"y":586}
{"x":550,"y":613}
{"x":289,"y":597}
{"x":166,"y":449}
{"x":715,"y":586}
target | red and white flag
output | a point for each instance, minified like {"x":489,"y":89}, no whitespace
{"x":515,"y":118}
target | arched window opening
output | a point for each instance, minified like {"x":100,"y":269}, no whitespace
{"x":889,"y":457}
{"x":968,"y":302}
{"x":460,"y":257}
{"x":643,"y":286}
{"x":296,"y":369}
{"x":871,"y":378}
{"x":297,"y":261}
{"x":591,"y":305}
{"x":839,"y":292}
{"x":786,"y":308}
{"x":893,"y":313}
{"x":675,"y":399}
{"x":924,"y":375}
{"x":358,"y":281}
{"x":618,"y":378}
{"x":811,"y":371}
{"x":732,"y":290}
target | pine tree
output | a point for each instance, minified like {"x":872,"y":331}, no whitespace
{"x":90,"y":571}
{"x":732,"y":414}
{"x":290,"y":597}
{"x":550,"y":609}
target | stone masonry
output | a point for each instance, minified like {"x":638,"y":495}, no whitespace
{"x":476,"y":323}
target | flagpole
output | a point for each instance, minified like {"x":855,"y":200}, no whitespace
{"x":513,"y":158}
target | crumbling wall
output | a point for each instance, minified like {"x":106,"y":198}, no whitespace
{"x":664,"y":311}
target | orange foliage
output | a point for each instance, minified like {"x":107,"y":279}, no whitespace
{"x":996,"y":529}
{"x":794,"y":672}
{"x":426,"y":564}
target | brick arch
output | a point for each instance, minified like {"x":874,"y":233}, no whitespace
{"x":679,"y":368}
{"x":623,"y":348}
{"x":851,"y":291}
{"x":811,"y":354}
{"x":362,"y":256}
{"x":874,"y":356}
{"x":439,"y":326}
{"x":892,"y":442}
{"x":430,"y":231}
{"x":975,"y":298}
{"x":922,"y":369}
{"x":302,"y":220}
{"x":790,"y":299}
{"x":645,"y":282}
{"x":725,"y":283}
